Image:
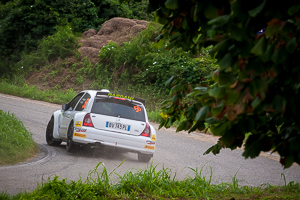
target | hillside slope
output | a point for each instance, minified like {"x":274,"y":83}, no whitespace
{"x":63,"y":74}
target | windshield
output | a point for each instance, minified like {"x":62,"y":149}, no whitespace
{"x":119,"y":108}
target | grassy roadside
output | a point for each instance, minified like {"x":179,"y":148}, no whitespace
{"x":150,"y":183}
{"x":16,"y":143}
{"x":32,"y":92}
{"x":53,"y":96}
{"x":135,"y":184}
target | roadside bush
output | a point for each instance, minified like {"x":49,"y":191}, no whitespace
{"x":142,"y":62}
{"x":107,"y":9}
{"x":23,"y":23}
{"x":60,"y":45}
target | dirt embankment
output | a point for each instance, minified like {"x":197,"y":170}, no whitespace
{"x":62,"y":73}
{"x":117,"y":30}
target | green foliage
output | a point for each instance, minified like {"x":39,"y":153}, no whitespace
{"x":139,"y":10}
{"x":60,"y":45}
{"x":16,"y":143}
{"x":107,"y":9}
{"x":154,"y":115}
{"x":16,"y":86}
{"x":151,"y":183}
{"x":141,"y":62}
{"x":257,"y":83}
{"x":24,"y":22}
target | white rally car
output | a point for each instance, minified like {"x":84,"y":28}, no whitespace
{"x":103,"y":118}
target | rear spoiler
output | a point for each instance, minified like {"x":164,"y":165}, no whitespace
{"x":109,"y":94}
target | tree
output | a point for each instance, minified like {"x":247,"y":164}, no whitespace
{"x":256,"y":90}
{"x":24,"y":22}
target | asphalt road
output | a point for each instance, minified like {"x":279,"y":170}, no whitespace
{"x":177,"y":151}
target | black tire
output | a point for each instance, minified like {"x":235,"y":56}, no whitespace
{"x":70,"y":143}
{"x":49,"y":134}
{"x":144,"y":157}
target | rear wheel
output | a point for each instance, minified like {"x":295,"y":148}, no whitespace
{"x":144,"y":157}
{"x":49,"y":134}
{"x":70,"y":143}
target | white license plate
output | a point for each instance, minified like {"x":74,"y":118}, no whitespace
{"x":118,"y":126}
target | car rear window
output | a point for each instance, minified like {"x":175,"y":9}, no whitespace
{"x":119,"y":108}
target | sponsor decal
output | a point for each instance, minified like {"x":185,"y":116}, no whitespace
{"x":80,"y":135}
{"x":80,"y":130}
{"x":137,"y":109}
{"x":153,"y":137}
{"x":83,"y":106}
{"x":78,"y":123}
{"x":150,"y":142}
{"x":149,"y":147}
{"x":120,"y":96}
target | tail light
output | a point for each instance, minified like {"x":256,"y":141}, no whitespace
{"x":147,"y":131}
{"x":87,"y":121}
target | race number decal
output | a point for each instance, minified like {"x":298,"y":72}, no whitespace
{"x":137,"y":108}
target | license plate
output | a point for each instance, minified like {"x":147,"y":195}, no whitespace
{"x":118,"y":126}
{"x":80,"y":135}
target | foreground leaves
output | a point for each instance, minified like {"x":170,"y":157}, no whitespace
{"x":256,"y":87}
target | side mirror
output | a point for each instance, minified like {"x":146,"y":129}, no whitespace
{"x":64,"y":106}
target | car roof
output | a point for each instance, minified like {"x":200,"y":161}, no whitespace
{"x":103,"y":91}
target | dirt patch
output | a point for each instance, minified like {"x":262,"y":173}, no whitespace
{"x":117,"y":30}
{"x":62,"y":74}
{"x":89,"y":33}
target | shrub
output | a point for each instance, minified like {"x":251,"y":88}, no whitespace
{"x":143,"y":62}
{"x":24,"y":22}
{"x":60,"y":45}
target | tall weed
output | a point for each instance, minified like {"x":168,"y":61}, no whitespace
{"x":151,"y":183}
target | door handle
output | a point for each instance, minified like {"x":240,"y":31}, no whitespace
{"x":68,"y":116}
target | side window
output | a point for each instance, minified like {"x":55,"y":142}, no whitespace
{"x":74,"y":101}
{"x":82,"y":103}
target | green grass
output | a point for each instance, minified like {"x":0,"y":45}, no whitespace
{"x":16,"y":143}
{"x":61,"y":96}
{"x":32,"y":92}
{"x":58,"y":96}
{"x":150,"y":183}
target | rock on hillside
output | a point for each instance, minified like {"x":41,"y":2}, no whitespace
{"x":117,"y":30}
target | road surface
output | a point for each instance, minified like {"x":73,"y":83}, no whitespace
{"x":176,"y":151}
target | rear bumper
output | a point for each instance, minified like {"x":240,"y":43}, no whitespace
{"x":92,"y":136}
